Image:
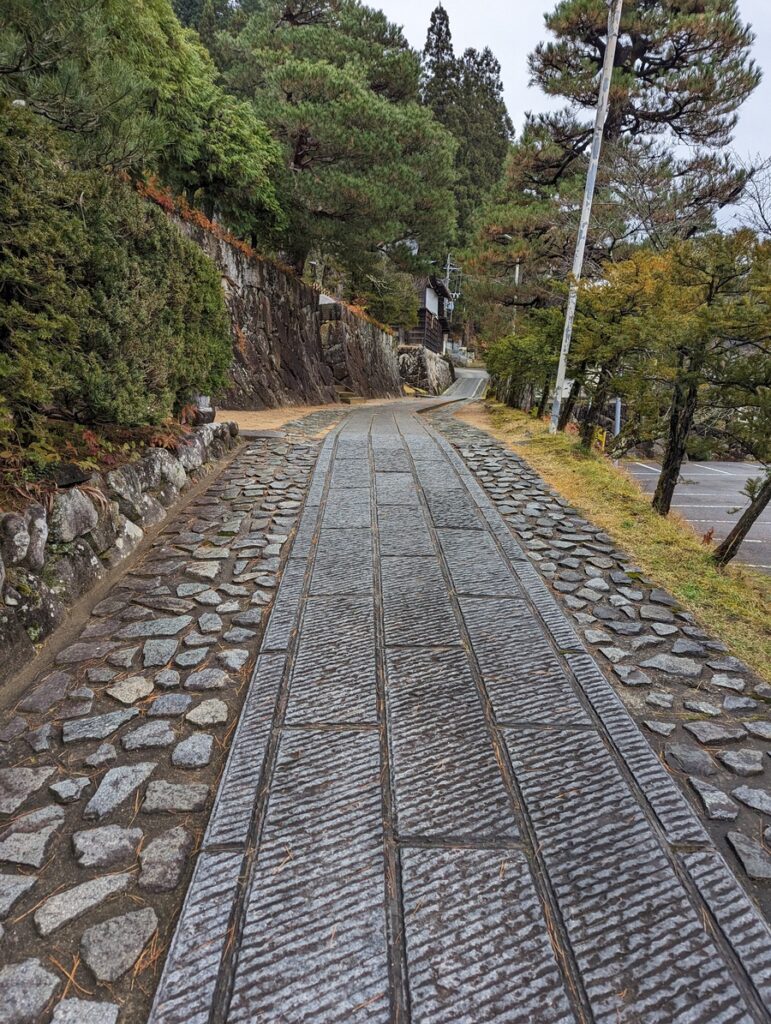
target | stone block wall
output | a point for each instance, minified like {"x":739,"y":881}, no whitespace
{"x":424,"y":369}
{"x":361,"y":355}
{"x":50,"y":557}
{"x":277,"y":353}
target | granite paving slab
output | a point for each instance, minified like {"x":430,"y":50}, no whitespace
{"x":436,"y":806}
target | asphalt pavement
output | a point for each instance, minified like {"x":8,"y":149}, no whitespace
{"x":468,"y":384}
{"x":709,"y":495}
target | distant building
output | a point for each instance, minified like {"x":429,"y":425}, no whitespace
{"x":433,"y":327}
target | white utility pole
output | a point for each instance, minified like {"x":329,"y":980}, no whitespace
{"x":614,"y":17}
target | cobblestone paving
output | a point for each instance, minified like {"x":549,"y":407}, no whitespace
{"x":705,"y":713}
{"x":109,"y":762}
{"x":436,"y":808}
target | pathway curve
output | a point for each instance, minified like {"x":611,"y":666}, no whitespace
{"x":435,"y":807}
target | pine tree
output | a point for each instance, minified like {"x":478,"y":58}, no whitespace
{"x":679,"y":68}
{"x":366,"y":168}
{"x":188,"y":11}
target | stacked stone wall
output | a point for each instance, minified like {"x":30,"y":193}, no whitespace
{"x":424,"y":369}
{"x":50,"y":557}
{"x":360,"y":354}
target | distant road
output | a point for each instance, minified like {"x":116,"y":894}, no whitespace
{"x":469,"y":384}
{"x":706,"y":495}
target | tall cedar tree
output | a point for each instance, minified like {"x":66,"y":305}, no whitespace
{"x":366,"y":168}
{"x":466,"y":96}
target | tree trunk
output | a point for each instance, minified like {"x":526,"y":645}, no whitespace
{"x":566,"y":410}
{"x":680,"y":421}
{"x":544,"y":399}
{"x":726,"y":550}
{"x":597,"y":404}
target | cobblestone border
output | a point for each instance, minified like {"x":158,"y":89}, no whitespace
{"x":666,"y":671}
{"x":109,"y":761}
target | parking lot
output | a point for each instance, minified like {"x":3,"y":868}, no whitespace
{"x":708,"y":495}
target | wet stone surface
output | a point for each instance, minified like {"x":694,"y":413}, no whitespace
{"x":108,"y":760}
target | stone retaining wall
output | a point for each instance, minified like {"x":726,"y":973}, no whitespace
{"x":422,"y":368}
{"x":277,"y":354}
{"x":51,"y":557}
{"x":361,"y":355}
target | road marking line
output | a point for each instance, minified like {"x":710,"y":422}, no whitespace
{"x":723,"y":472}
{"x":651,"y":469}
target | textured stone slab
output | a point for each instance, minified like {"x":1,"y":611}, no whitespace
{"x":343,"y":563}
{"x":403,"y":532}
{"x":605,"y":863}
{"x":416,"y":605}
{"x":670,"y":806}
{"x":446,"y":777}
{"x":395,"y":489}
{"x":333,"y":679}
{"x":745,"y":929}
{"x":451,"y":508}
{"x":186,"y":990}
{"x":522,"y":674}
{"x":285,"y":611}
{"x":477,"y":949}
{"x":347,"y":508}
{"x":476,"y":566}
{"x":132,"y":689}
{"x":314,"y":933}
{"x":234,"y":803}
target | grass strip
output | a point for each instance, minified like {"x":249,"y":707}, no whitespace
{"x":734,"y":604}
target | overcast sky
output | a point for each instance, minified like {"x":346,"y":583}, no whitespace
{"x":512,"y":29}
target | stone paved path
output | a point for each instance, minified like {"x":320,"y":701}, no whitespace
{"x":436,"y":808}
{"x":110,"y":759}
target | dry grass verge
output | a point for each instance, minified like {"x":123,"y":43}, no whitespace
{"x":734,"y":604}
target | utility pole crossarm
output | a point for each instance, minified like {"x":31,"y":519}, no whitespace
{"x":614,"y":19}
